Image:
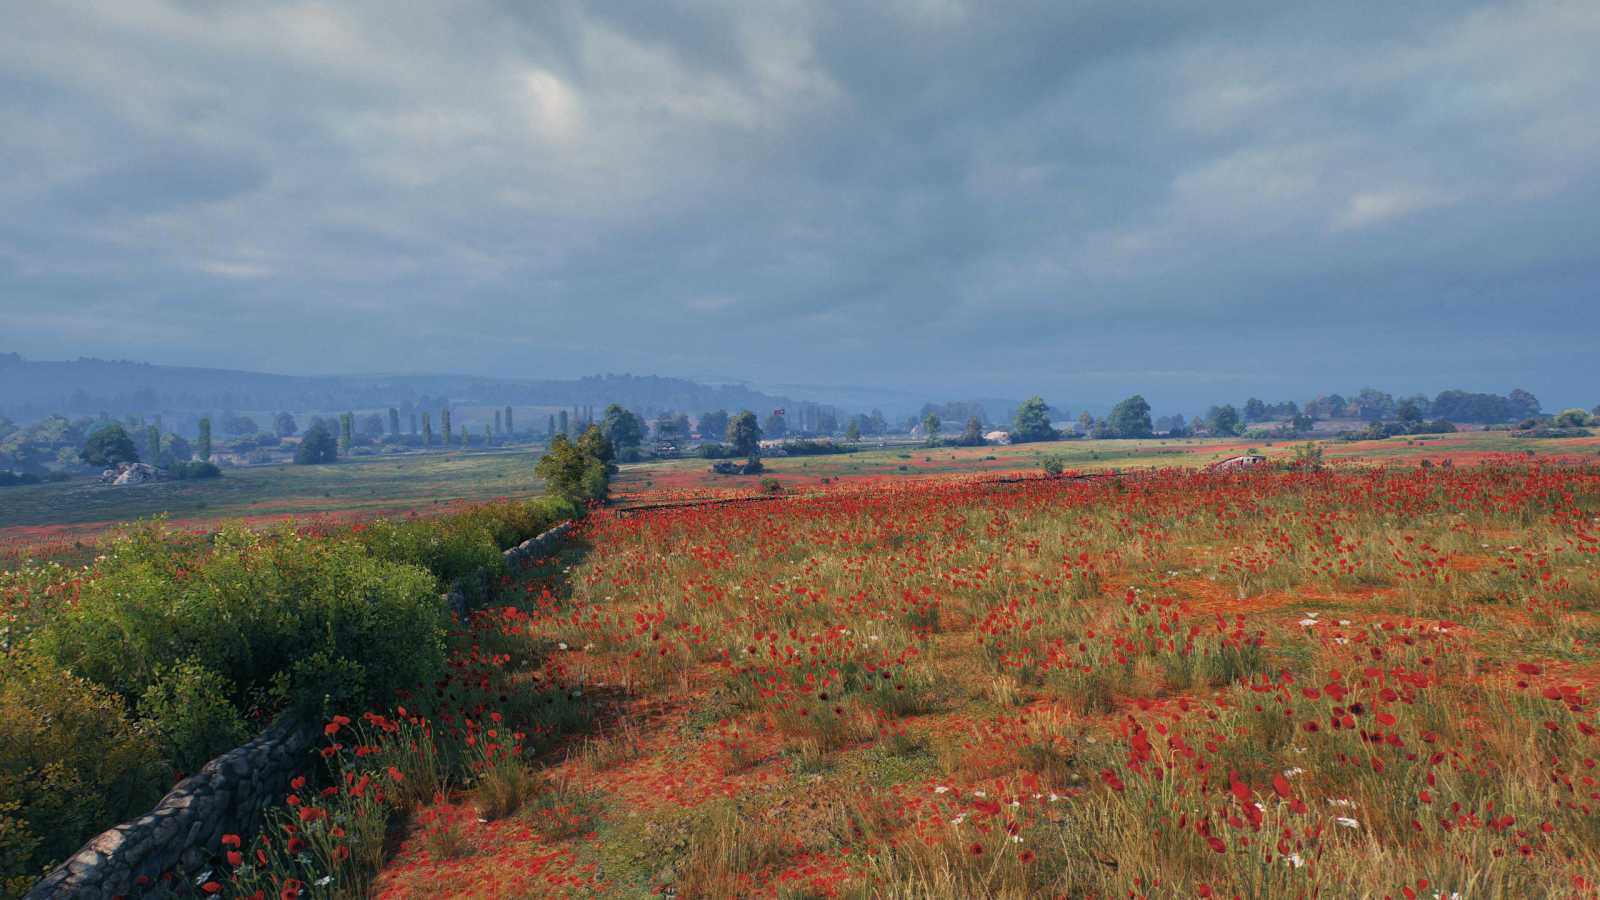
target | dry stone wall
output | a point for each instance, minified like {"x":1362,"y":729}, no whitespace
{"x":228,"y":796}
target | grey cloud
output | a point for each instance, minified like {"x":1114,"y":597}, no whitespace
{"x":938,"y":196}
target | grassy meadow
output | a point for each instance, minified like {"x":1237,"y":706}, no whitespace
{"x":62,"y":517}
{"x":1357,"y":682}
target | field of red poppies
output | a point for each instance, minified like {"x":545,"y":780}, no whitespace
{"x":1345,"y":682}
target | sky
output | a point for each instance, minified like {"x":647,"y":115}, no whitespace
{"x":1195,"y":201}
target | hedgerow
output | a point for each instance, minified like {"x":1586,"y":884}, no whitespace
{"x":173,"y":646}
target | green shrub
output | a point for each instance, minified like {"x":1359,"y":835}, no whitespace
{"x":187,"y":709}
{"x":448,"y":550}
{"x":190,"y":471}
{"x":71,"y":764}
{"x":284,"y":618}
{"x":458,"y":546}
{"x":206,"y":639}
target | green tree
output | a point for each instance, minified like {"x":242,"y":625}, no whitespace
{"x":622,"y":428}
{"x":372,"y":425}
{"x":930,"y":429}
{"x":346,"y":431}
{"x":510,"y":428}
{"x":317,"y":446}
{"x":1223,"y":420}
{"x":283,"y":425}
{"x":394,"y":421}
{"x":1571,"y":418}
{"x":444,"y":425}
{"x":498,"y":426}
{"x":1131,"y":418}
{"x":152,"y":444}
{"x":776,"y":426}
{"x":1032,"y":422}
{"x":550,"y":428}
{"x":202,"y":444}
{"x":744,"y":434}
{"x":573,"y":473}
{"x":564,"y":422}
{"x":1255,"y":410}
{"x":972,"y":435}
{"x":174,"y":449}
{"x":109,"y":446}
{"x":712,"y":425}
{"x":852,"y":430}
{"x":1408,"y":411}
{"x":594,"y":442}
{"x":427,"y":430}
{"x":1522,"y":404}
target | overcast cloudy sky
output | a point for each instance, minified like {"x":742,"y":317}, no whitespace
{"x":1194,"y":200}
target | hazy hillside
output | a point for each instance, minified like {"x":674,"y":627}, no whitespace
{"x":31,"y":389}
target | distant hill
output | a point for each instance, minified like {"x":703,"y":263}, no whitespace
{"x":31,"y":389}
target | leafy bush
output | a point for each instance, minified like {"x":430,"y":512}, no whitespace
{"x":189,"y":471}
{"x":70,"y":764}
{"x":285,"y":619}
{"x":813,"y":448}
{"x":1378,"y":431}
{"x":448,"y":552}
{"x":458,"y":546}
{"x":577,"y":471}
{"x":187,"y":709}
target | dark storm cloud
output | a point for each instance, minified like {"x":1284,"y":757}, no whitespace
{"x":1193,"y":200}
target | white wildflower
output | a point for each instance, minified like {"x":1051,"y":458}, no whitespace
{"x":1347,"y":822}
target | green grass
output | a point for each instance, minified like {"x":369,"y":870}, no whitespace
{"x":357,"y":485}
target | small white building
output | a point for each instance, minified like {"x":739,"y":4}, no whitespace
{"x":998,"y":437}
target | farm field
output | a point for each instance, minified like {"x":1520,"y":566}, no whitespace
{"x":691,"y":478}
{"x":1354,"y":682}
{"x":63,"y":520}
{"x":56,"y":518}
